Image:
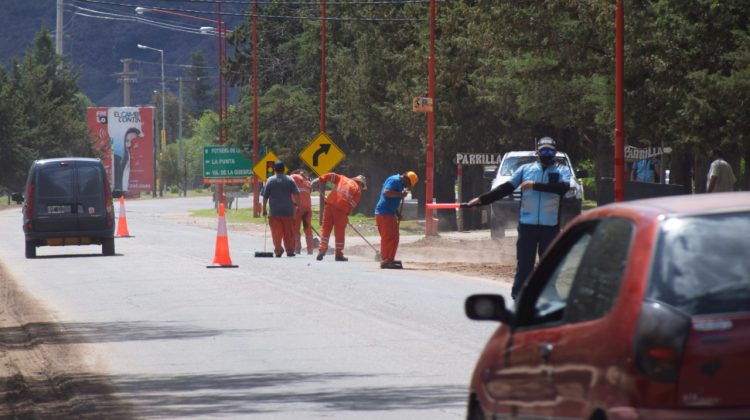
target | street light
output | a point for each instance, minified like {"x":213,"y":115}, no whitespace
{"x":163,"y":95}
{"x":220,"y":38}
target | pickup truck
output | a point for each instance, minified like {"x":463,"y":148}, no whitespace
{"x":504,"y":212}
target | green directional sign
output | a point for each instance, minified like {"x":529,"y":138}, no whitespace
{"x":225,"y":162}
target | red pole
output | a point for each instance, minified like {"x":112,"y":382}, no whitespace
{"x":323,"y":68}
{"x":226,"y":84}
{"x":256,"y":192}
{"x":220,"y":194}
{"x":619,"y":128}
{"x":430,"y":229}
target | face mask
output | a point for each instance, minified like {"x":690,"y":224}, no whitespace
{"x":546,"y":156}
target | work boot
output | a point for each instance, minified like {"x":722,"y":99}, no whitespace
{"x":341,"y":257}
{"x":320,"y":256}
{"x":309,"y":252}
{"x":290,"y":255}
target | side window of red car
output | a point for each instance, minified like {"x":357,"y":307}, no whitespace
{"x":545,"y":297}
{"x":599,"y":276}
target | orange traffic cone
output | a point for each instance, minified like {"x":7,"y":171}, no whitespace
{"x":221,"y":255}
{"x":122,"y":221}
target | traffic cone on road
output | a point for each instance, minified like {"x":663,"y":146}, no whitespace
{"x":122,"y":221}
{"x":221,"y":254}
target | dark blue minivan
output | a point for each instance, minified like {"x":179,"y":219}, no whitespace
{"x":67,"y":201}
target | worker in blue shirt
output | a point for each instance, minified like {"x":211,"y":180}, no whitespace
{"x":543,"y":184}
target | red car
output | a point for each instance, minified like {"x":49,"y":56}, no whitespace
{"x":639,"y":310}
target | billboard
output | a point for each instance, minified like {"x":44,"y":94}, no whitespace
{"x":125,"y":138}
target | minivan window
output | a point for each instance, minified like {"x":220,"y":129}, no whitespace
{"x":55,"y":182}
{"x":510,"y":164}
{"x":701,"y":264}
{"x":90,"y":191}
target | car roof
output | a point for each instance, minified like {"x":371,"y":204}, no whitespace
{"x":68,"y":159}
{"x":685,"y":205}
{"x":528,"y":153}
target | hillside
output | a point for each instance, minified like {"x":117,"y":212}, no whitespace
{"x":96,"y":46}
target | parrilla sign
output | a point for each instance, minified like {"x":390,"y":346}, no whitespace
{"x":633,"y":153}
{"x":477,"y":159}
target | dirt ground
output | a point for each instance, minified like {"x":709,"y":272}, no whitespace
{"x":42,"y":374}
{"x":41,"y":365}
{"x":476,"y":256}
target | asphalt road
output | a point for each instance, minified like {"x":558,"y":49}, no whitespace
{"x":275,"y":338}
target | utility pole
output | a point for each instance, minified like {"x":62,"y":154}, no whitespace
{"x":59,"y":28}
{"x":181,"y":163}
{"x":126,"y":78}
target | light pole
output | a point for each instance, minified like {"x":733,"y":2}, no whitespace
{"x":220,"y":36}
{"x":163,"y":142}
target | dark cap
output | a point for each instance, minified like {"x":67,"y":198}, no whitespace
{"x":278,"y":166}
{"x":546,"y":142}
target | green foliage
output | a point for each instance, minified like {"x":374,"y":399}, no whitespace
{"x":42,"y":112}
{"x":507,"y":72}
{"x":200,"y":96}
{"x":181,"y":163}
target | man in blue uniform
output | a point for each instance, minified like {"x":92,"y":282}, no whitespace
{"x":543,"y":184}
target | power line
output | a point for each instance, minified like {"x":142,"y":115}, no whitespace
{"x":98,"y":14}
{"x":265,"y":16}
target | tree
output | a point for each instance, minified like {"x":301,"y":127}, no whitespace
{"x":201,"y":97}
{"x":44,"y":111}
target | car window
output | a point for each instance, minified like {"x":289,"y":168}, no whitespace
{"x":55,"y":182}
{"x":701,"y":264}
{"x":599,"y":276}
{"x":556,"y":292}
{"x":89,"y":181}
{"x":545,"y":297}
{"x":580,"y":277}
{"x":510,"y":164}
{"x":90,"y":190}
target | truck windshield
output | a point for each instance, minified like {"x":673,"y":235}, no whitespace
{"x":701,"y":265}
{"x":511,"y":163}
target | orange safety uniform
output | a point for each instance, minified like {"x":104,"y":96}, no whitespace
{"x":303,"y":217}
{"x":340,"y":202}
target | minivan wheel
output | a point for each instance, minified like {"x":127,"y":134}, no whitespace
{"x":108,"y":246}
{"x":30,"y":249}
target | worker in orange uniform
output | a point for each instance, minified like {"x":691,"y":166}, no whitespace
{"x":388,"y":215}
{"x":283,"y":194}
{"x":303,"y":217}
{"x":340,"y":201}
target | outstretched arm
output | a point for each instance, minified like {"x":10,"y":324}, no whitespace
{"x":493,"y":195}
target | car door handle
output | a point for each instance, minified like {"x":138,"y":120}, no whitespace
{"x":545,"y":351}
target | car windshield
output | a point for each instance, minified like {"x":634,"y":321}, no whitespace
{"x":701,"y":264}
{"x":511,"y":163}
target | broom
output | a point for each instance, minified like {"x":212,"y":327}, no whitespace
{"x":264,"y":254}
{"x":377,"y":253}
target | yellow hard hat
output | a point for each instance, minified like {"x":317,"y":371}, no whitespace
{"x":413,"y":178}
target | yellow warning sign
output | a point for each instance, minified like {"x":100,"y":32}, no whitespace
{"x":264,"y":168}
{"x":322,"y":154}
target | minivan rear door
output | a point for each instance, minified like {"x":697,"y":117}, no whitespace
{"x":55,"y":205}
{"x":90,"y":197}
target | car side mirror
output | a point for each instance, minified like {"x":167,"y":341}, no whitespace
{"x":17,"y":197}
{"x":488,"y":308}
{"x":582,"y":173}
{"x":116,"y":193}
